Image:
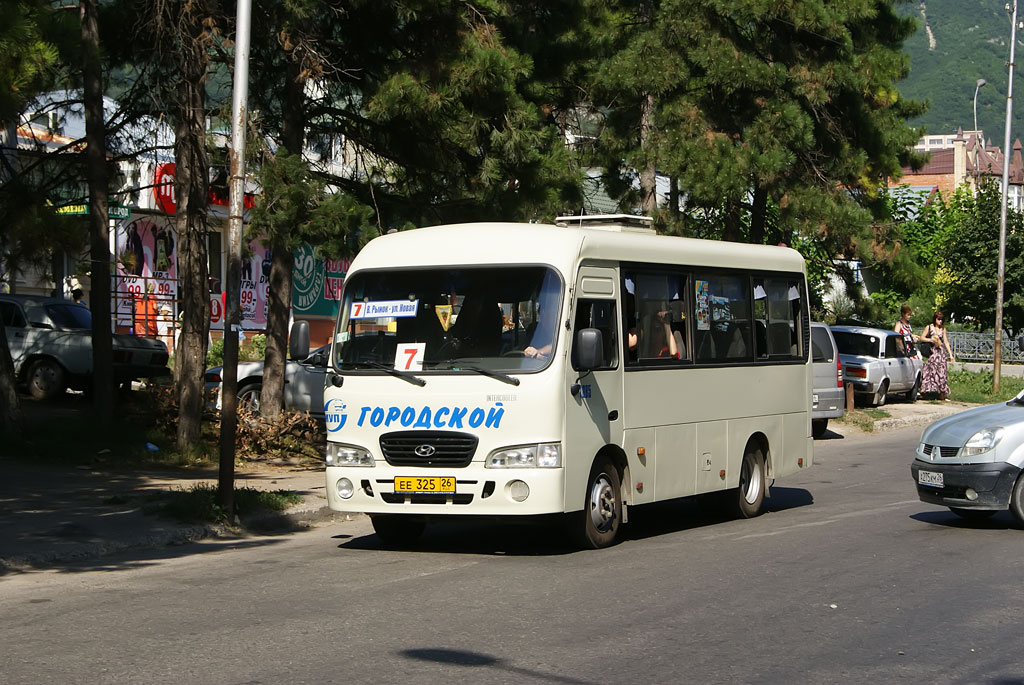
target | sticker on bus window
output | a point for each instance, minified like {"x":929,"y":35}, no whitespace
{"x":703,"y":305}
{"x":341,"y":337}
{"x":382,"y":309}
{"x":409,"y":356}
{"x":444,"y":314}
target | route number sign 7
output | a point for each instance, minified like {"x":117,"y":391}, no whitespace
{"x":409,"y":356}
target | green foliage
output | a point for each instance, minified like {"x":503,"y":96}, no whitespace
{"x":967,"y":386}
{"x":967,"y":280}
{"x":251,"y":350}
{"x":28,"y":58}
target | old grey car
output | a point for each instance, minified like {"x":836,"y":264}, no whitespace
{"x":50,"y":340}
{"x":876,"y":363}
{"x":971,"y":462}
{"x":303,"y":383}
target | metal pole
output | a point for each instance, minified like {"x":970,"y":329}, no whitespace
{"x":233,"y":319}
{"x":997,"y":360}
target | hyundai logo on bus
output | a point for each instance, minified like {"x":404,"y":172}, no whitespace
{"x":424,"y":450}
{"x":427,"y":417}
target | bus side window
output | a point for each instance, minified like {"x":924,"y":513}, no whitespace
{"x":599,"y":314}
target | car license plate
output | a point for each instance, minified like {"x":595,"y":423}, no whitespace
{"x":929,"y":478}
{"x":416,"y":484}
{"x":814,"y":398}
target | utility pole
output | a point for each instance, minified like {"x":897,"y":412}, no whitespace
{"x":233,"y":320}
{"x":997,"y":357}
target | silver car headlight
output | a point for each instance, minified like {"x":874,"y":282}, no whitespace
{"x":545,"y":455}
{"x":347,"y":455}
{"x":982,"y":441}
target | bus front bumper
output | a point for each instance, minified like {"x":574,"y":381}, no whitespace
{"x":479,"y":491}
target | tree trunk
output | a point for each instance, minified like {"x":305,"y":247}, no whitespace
{"x":99,"y":243}
{"x":648,"y":175}
{"x":191,"y":195}
{"x":731,"y":230}
{"x":758,"y":215}
{"x":10,"y":405}
{"x":673,"y":198}
{"x":279,"y":290}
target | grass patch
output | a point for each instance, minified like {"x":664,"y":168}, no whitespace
{"x":198,"y":504}
{"x":863,"y":419}
{"x":968,"y":386}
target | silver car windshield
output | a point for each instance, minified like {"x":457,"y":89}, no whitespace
{"x":501,"y":318}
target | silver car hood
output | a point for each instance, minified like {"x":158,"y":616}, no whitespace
{"x":955,"y":430}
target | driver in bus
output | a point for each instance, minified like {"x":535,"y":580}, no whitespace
{"x":543,"y":339}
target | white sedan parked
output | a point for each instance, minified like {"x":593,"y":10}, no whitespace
{"x":303,"y":384}
{"x":876,"y":364}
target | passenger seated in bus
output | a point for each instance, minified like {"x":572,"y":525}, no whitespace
{"x":738,"y":347}
{"x":657,"y":336}
{"x":477,"y":330}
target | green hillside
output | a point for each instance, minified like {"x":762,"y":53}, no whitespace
{"x":968,"y":40}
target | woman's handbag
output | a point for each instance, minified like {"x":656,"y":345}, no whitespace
{"x":924,"y":345}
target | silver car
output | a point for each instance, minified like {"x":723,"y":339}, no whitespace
{"x":50,"y":340}
{"x":303,"y":383}
{"x":971,"y":462}
{"x":877,"y":365}
{"x":829,"y":395}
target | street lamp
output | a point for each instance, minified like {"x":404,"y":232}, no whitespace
{"x":977,"y":87}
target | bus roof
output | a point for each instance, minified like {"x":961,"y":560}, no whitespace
{"x":488,"y":243}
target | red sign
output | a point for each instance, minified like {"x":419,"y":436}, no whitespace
{"x":216,"y":308}
{"x":163,"y":188}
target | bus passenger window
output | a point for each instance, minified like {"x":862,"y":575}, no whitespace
{"x":656,"y":318}
{"x":599,"y":314}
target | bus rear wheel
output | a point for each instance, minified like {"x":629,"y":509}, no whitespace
{"x":598,"y":524}
{"x":397,"y":531}
{"x":749,"y":496}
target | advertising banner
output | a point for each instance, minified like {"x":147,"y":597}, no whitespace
{"x":316,"y":283}
{"x":146,"y":250}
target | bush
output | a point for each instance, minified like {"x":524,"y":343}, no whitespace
{"x":253,"y":349}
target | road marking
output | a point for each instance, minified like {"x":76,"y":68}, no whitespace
{"x":810,"y":524}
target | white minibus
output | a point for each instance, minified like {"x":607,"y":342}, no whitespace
{"x":498,"y":369}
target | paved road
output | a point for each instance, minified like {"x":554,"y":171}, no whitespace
{"x":847,"y":579}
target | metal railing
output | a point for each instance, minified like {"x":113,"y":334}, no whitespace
{"x":980,"y":347}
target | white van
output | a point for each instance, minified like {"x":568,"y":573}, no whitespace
{"x":520,"y":369}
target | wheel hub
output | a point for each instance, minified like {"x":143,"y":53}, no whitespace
{"x":602,"y":503}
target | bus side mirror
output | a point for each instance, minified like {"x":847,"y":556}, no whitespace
{"x":589,"y":349}
{"x":298,"y":341}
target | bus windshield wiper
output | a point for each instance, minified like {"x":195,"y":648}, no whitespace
{"x":397,"y":373}
{"x":456,"y":365}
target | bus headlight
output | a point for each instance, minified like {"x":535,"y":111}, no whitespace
{"x":982,"y":441}
{"x":545,"y":455}
{"x":347,"y":455}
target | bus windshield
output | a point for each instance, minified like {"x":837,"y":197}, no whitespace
{"x":496,"y":318}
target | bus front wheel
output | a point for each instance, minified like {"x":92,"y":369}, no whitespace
{"x":749,"y":496}
{"x":396,"y":530}
{"x":598,"y":524}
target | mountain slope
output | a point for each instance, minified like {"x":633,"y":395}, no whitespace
{"x":956,"y":43}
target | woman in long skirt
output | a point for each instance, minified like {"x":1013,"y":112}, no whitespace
{"x":934,"y":378}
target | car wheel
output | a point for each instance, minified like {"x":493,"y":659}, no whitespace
{"x":914,"y":391}
{"x":749,"y":496}
{"x":46,"y":380}
{"x":598,"y":524}
{"x":883,"y":390}
{"x":1017,"y":500}
{"x":249,"y":397}
{"x":972,"y":514}
{"x":818,"y":427}
{"x":395,"y":530}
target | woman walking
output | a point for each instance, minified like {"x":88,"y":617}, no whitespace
{"x":934,"y":378}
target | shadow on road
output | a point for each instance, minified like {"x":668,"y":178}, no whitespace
{"x":1002,"y":520}
{"x":545,"y":536}
{"x":461,"y":657}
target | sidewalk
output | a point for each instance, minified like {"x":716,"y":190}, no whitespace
{"x":77,"y":518}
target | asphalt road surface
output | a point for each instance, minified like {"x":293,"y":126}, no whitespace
{"x":847,"y":578}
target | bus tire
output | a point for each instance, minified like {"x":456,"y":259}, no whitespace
{"x":1017,"y":500}
{"x":598,"y":524}
{"x":396,"y":530}
{"x":818,"y":427}
{"x":749,"y":496}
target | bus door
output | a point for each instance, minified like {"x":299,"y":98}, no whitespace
{"x":593,"y":415}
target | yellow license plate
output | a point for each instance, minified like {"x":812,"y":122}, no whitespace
{"x":440,"y":485}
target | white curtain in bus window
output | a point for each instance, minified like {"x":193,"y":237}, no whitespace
{"x":724,"y":335}
{"x":660,"y":323}
{"x":777,"y":309}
